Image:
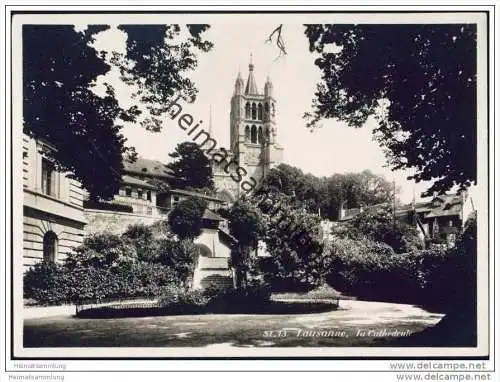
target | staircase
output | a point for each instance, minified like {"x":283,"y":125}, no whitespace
{"x":212,"y":271}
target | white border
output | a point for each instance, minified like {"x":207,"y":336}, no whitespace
{"x":297,"y":365}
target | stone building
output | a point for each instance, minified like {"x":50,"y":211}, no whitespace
{"x":53,"y":217}
{"x":253,"y":135}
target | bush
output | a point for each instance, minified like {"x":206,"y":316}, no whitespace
{"x":179,"y":256}
{"x":55,"y":284}
{"x":46,"y":283}
{"x":142,"y":238}
{"x":102,"y":250}
{"x":252,"y":299}
{"x":433,"y":278}
{"x":181,"y":300}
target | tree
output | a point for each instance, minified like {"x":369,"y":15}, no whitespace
{"x":157,"y":61}
{"x":185,"y":219}
{"x":59,"y":106}
{"x":191,"y":167}
{"x":418,"y":81}
{"x":60,"y":68}
{"x":379,"y":225}
{"x":327,"y":195}
{"x":295,"y":246}
{"x":246,"y":225}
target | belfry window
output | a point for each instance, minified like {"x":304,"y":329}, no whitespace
{"x":254,"y":134}
{"x":260,"y":112}
{"x":247,"y":110}
{"x":247,"y":133}
{"x":254,"y":111}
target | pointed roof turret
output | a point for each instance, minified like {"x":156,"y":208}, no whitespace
{"x":239,"y":84}
{"x":251,"y":88}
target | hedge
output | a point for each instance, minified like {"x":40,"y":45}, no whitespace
{"x":51,"y":284}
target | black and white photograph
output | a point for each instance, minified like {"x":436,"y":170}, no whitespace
{"x":255,"y":184}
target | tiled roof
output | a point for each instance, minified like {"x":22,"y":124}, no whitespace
{"x":147,"y":167}
{"x":127,"y":179}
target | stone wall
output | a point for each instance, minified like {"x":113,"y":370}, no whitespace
{"x":114,"y":222}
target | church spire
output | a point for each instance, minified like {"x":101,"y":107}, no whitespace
{"x":210,"y":131}
{"x":251,"y":88}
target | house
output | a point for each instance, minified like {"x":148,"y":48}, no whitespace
{"x":53,"y":217}
{"x":214,"y":243}
{"x":442,"y":218}
{"x":439,"y":220}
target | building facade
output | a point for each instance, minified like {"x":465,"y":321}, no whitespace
{"x":53,"y":217}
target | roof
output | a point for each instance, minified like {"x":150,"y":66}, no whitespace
{"x":195,"y":194}
{"x":149,"y":167}
{"x":251,"y":88}
{"x":209,"y":215}
{"x":127,"y":179}
{"x":442,"y":205}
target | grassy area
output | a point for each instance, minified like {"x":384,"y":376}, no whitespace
{"x":348,"y":326}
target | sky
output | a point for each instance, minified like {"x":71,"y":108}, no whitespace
{"x":334,"y":148}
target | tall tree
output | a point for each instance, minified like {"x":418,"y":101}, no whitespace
{"x":418,"y":81}
{"x":247,"y":226}
{"x":60,"y":67}
{"x":191,"y":167}
{"x":157,"y":62}
{"x":59,"y":106}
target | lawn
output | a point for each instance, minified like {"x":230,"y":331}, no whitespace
{"x":355,"y":323}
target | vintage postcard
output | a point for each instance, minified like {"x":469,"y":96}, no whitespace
{"x":250,"y":184}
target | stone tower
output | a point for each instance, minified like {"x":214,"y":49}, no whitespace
{"x":253,"y":126}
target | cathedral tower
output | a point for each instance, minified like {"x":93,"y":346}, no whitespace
{"x":253,"y":126}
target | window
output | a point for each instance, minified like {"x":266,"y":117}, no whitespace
{"x":150,"y":211}
{"x":260,"y":138}
{"x":48,"y":178}
{"x":49,"y":246}
{"x":254,"y":134}
{"x":128,"y":191}
{"x":254,"y":111}
{"x":247,"y":110}
{"x":260,"y":112}
{"x":148,"y":195}
{"x":267,"y":133}
{"x":140,"y":194}
{"x":247,"y":133}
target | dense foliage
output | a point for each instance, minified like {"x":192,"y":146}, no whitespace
{"x":61,"y":106}
{"x":50,"y":284}
{"x":326,"y":195}
{"x":185,"y":219}
{"x":418,"y":81}
{"x":247,"y":226}
{"x":191,"y":167}
{"x":293,"y":240}
{"x":107,"y":266}
{"x":436,"y":278}
{"x":380,"y":225}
